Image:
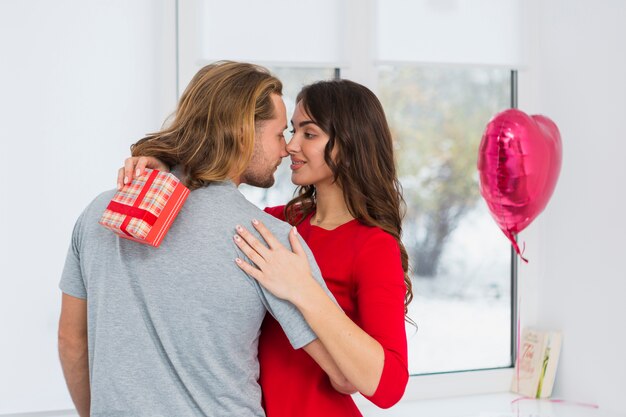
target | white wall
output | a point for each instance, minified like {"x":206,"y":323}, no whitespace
{"x":577,"y":77}
{"x":80,"y":80}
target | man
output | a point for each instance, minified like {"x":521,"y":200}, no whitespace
{"x":173,"y":331}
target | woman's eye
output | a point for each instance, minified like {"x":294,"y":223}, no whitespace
{"x":309,"y":135}
{"x":292,"y":131}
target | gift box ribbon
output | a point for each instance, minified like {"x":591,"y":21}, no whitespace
{"x":134,"y":211}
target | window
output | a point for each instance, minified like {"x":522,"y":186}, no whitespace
{"x":441,"y":75}
{"x":460,"y":261}
{"x":461,"y":270}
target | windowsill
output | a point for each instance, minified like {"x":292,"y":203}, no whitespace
{"x":485,"y":405}
{"x":473,"y":394}
{"x":455,"y":384}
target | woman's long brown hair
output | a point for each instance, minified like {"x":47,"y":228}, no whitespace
{"x":364,"y":166}
{"x":212,"y":132}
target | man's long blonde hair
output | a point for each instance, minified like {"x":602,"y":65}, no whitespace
{"x":211,"y":135}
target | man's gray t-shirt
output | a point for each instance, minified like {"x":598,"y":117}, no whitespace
{"x":173,"y":331}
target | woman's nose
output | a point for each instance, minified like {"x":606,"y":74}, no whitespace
{"x":293,"y":146}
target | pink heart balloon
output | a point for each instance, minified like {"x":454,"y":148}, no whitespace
{"x":519,"y":161}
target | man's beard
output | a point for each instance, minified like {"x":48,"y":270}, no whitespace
{"x":258,"y":179}
{"x":258,"y":174}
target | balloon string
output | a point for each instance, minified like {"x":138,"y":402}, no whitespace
{"x":516,"y":247}
{"x":518,"y":344}
{"x":557,"y":401}
{"x":519,"y":320}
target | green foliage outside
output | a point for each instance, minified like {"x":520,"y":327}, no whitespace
{"x":437,"y":116}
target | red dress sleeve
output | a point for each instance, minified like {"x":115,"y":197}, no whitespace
{"x":380,"y":289}
{"x":277,"y":211}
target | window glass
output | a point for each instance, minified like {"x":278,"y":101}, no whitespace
{"x":460,"y":261}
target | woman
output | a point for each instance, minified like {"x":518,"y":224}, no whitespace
{"x":348,"y":210}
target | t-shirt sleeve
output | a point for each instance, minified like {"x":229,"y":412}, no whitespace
{"x":72,"y":282}
{"x":380,"y":290}
{"x":288,"y":316}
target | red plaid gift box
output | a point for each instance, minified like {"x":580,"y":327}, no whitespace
{"x":145,"y":209}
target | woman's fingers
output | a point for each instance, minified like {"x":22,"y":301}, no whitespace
{"x":249,"y":251}
{"x":259,"y":247}
{"x":120,"y":178}
{"x":296,"y":246}
{"x":129,"y":167}
{"x":140,"y":168}
{"x":249,"y":269}
{"x":150,"y":162}
{"x":266,"y":234}
{"x":135,"y":166}
{"x":125,"y":174}
{"x":280,"y":271}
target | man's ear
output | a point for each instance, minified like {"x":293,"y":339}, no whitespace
{"x":255,"y":130}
